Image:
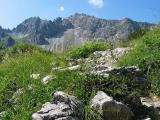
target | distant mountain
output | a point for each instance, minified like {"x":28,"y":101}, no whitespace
{"x":62,"y":34}
{"x":5,"y":39}
{"x":96,"y":28}
{"x":37,"y":30}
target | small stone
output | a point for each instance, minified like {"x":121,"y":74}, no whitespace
{"x":31,"y":87}
{"x":2,"y":114}
{"x":46,"y":79}
{"x":35,"y":76}
{"x":77,"y":67}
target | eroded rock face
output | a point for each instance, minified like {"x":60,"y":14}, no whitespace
{"x":64,"y":107}
{"x":109,"y":108}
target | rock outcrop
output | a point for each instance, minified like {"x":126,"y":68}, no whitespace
{"x":109,"y":108}
{"x":109,"y":57}
{"x":64,"y":107}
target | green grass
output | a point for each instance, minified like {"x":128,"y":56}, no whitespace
{"x":146,"y":55}
{"x":15,"y":73}
{"x":86,"y":50}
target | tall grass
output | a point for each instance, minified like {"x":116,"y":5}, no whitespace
{"x":146,"y":55}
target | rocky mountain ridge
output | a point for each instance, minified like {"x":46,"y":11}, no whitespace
{"x":75,"y":30}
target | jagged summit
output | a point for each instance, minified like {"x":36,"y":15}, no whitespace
{"x":36,"y":29}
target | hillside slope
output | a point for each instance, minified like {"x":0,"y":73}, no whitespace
{"x":23,"y":69}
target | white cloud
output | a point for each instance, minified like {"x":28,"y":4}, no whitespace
{"x":96,"y":3}
{"x":61,"y":8}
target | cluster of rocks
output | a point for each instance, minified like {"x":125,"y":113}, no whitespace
{"x":67,"y":107}
{"x":109,"y":57}
{"x":64,"y":107}
{"x":45,"y":80}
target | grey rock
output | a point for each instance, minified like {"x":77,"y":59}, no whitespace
{"x":77,"y":67}
{"x":15,"y":97}
{"x":35,"y":76}
{"x":119,"y":52}
{"x":109,"y":57}
{"x":46,"y":79}
{"x":64,"y":107}
{"x":57,"y":68}
{"x":129,"y":70}
{"x":109,"y":108}
{"x":67,"y":118}
{"x":151,"y":102}
{"x":31,"y":87}
{"x":2,"y":114}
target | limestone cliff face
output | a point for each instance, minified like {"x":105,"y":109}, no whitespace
{"x":68,"y":40}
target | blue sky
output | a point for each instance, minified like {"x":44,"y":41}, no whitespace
{"x":13,"y":12}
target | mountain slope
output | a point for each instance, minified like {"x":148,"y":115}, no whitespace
{"x":96,"y":28}
{"x":5,"y":39}
{"x":36,"y":30}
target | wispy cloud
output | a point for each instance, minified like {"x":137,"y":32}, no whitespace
{"x":61,"y":8}
{"x":96,"y":3}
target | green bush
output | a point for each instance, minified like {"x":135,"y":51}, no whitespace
{"x":24,"y":48}
{"x":86,"y":50}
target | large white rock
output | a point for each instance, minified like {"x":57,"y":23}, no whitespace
{"x":109,"y":108}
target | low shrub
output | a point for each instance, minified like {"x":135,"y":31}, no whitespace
{"x":86,"y":50}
